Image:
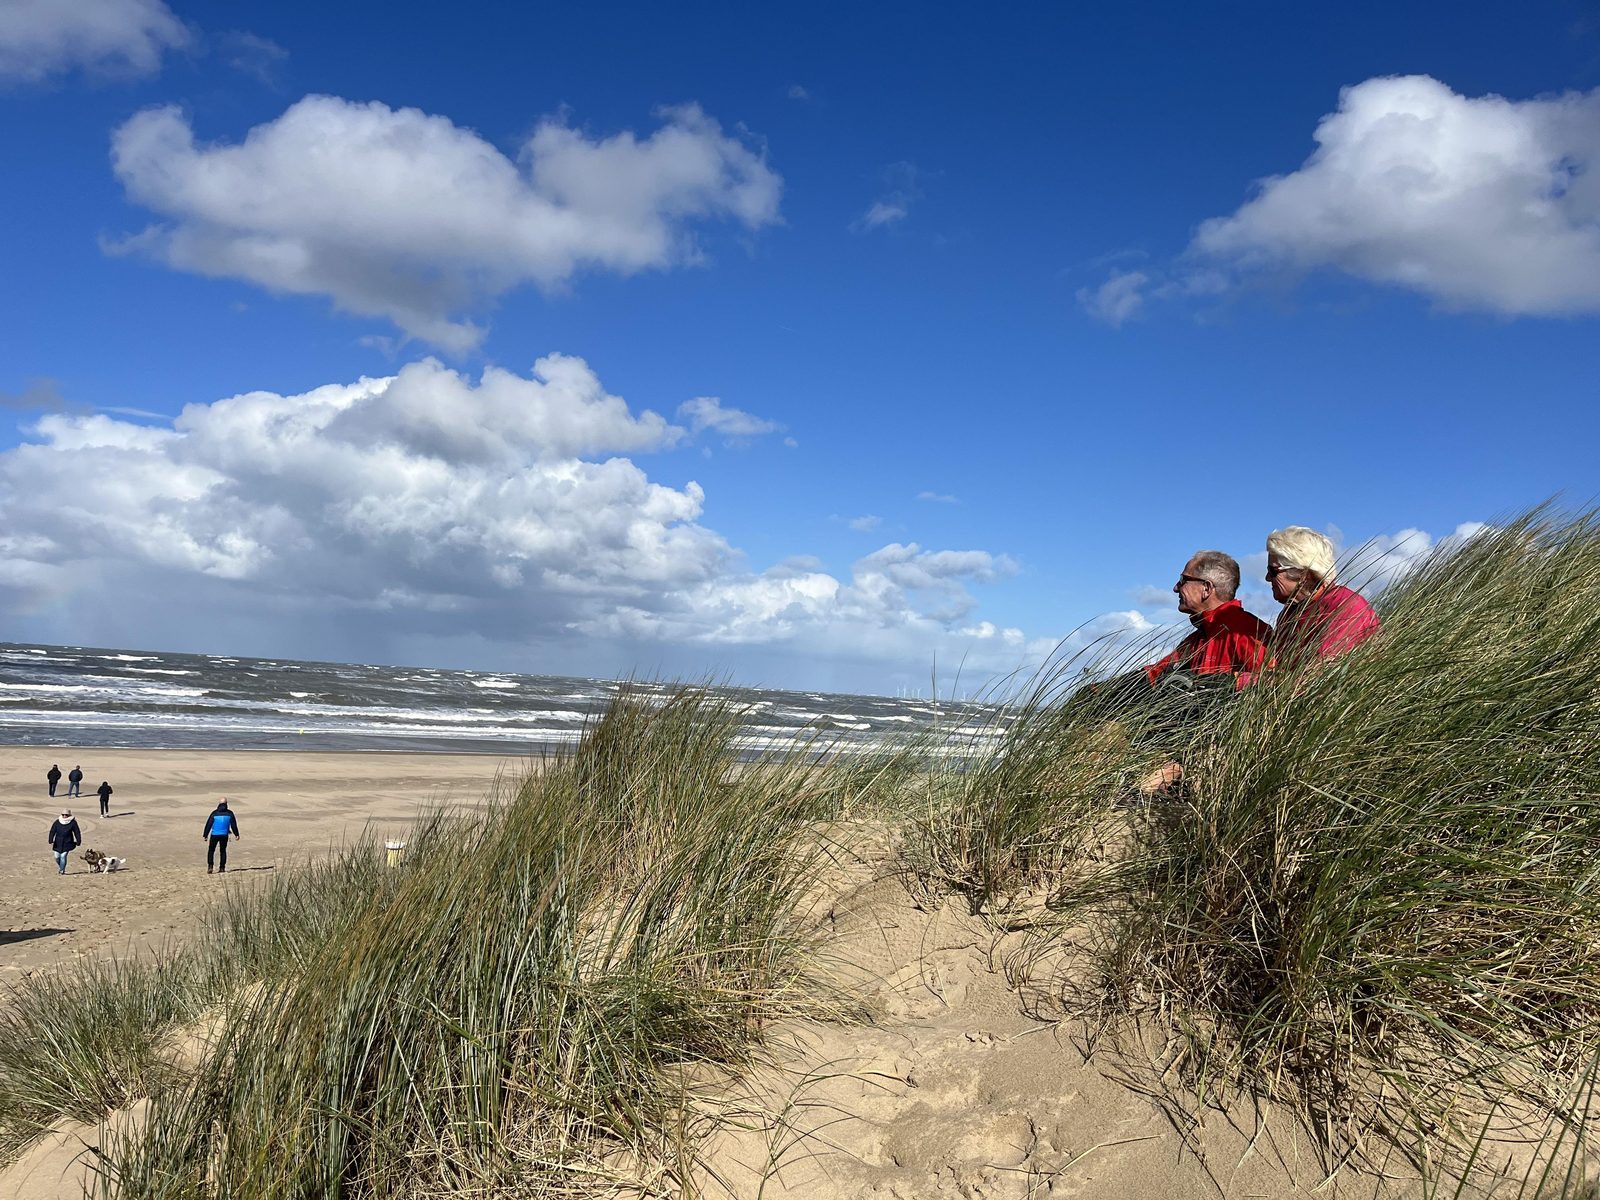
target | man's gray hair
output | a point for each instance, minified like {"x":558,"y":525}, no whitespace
{"x":1220,"y":570}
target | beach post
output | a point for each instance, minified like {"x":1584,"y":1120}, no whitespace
{"x":396,"y":852}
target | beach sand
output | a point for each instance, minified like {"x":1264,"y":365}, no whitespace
{"x":942,"y":1085}
{"x":290,"y":806}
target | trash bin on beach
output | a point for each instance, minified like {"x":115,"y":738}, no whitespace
{"x":396,"y":853}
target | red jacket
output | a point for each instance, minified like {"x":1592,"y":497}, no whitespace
{"x":1225,"y":639}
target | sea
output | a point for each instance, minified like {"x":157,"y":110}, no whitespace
{"x":83,"y":696}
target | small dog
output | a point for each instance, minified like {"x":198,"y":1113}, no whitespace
{"x":103,"y":864}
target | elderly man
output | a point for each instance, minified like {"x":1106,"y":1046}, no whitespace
{"x":1227,"y":646}
{"x":1227,"y":639}
{"x":1319,"y":618}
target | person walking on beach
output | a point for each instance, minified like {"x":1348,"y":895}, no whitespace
{"x":53,"y":777}
{"x":105,"y":790}
{"x":64,"y":837}
{"x":74,"y":779}
{"x":219,"y":826}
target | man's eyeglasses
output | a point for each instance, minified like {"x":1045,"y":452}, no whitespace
{"x":1183,"y":579}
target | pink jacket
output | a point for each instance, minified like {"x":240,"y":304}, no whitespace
{"x":1332,"y":622}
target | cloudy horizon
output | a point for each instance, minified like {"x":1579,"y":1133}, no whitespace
{"x":682,"y":362}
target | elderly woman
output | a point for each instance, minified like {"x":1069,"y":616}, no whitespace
{"x":1319,"y":617}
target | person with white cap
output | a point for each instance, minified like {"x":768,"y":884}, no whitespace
{"x":64,"y":837}
{"x":1320,"y":617}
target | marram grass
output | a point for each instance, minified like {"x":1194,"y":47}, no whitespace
{"x":1379,"y":884}
{"x":520,"y":1009}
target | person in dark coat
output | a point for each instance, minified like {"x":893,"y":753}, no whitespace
{"x":74,"y":779}
{"x":219,"y":826}
{"x":53,"y":777}
{"x":64,"y":837}
{"x":104,"y":791}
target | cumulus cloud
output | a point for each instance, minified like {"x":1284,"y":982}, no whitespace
{"x":40,"y":38}
{"x":901,"y":605}
{"x":708,"y":414}
{"x":1479,"y":203}
{"x":401,"y":214}
{"x":1476,"y":202}
{"x":428,"y":504}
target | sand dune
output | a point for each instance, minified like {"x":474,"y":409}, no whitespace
{"x":938,"y":1084}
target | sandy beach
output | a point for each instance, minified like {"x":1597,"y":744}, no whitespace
{"x":949,"y":1081}
{"x":290,"y":806}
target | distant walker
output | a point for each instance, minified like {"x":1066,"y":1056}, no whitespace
{"x":220,"y":825}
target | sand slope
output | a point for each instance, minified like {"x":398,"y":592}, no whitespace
{"x":951,"y":1090}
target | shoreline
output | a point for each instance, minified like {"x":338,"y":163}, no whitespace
{"x":7,"y":748}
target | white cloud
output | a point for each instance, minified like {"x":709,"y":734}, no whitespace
{"x":404,"y":215}
{"x":1148,"y":595}
{"x":254,"y":55}
{"x":796,"y":92}
{"x":1382,"y":560}
{"x":937,"y":498}
{"x":884,"y":212}
{"x":902,"y":189}
{"x":410,"y":510}
{"x":902,"y":605}
{"x":1479,"y":203}
{"x":864,"y":524}
{"x":733,"y":425}
{"x":1118,"y":300}
{"x":40,"y":38}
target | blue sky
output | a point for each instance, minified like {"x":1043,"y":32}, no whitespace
{"x":1000,"y":318}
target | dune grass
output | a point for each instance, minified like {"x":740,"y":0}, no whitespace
{"x":1379,"y":885}
{"x":525,"y":1005}
{"x":1375,"y":894}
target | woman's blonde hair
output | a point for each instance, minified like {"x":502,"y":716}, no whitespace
{"x":1304,"y":549}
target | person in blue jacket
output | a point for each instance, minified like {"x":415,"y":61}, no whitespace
{"x":219,"y":826}
{"x":64,"y":837}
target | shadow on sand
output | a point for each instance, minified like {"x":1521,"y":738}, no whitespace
{"x":8,"y":936}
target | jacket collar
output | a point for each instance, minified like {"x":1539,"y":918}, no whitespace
{"x":1206,"y":620}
